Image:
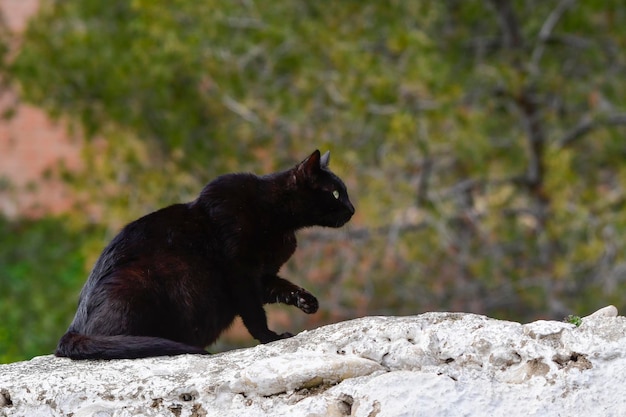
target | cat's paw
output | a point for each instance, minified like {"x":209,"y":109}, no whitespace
{"x":306,"y":301}
{"x":270,"y":336}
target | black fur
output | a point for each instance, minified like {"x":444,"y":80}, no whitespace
{"x":172,"y":281}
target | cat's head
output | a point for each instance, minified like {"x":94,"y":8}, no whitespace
{"x":321,"y":194}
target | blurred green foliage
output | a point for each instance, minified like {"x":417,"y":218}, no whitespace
{"x":482,"y":141}
{"x":41,"y":265}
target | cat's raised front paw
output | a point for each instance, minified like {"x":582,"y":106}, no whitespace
{"x":306,"y":302}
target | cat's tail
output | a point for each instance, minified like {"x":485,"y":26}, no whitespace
{"x":79,"y":346}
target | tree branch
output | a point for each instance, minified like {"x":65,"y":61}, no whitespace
{"x":241,"y":110}
{"x":546,"y":31}
{"x":424,"y":181}
{"x":586,"y":125}
{"x":531,"y":119}
{"x":511,"y":34}
{"x":362,"y":233}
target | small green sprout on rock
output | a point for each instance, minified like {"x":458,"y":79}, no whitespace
{"x":575,"y":320}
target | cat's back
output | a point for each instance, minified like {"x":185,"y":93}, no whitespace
{"x":250,"y":217}
{"x":176,"y":230}
{"x":229,"y":192}
{"x":181,"y":229}
{"x":234,"y":204}
{"x":163,"y":227}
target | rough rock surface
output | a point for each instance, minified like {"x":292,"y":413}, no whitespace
{"x":434,"y":364}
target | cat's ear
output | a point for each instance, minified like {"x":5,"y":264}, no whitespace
{"x":325,"y":159}
{"x":310,"y":166}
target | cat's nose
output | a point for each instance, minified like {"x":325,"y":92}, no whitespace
{"x":351,"y":208}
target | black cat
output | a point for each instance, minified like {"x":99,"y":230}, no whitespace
{"x":170,"y":282}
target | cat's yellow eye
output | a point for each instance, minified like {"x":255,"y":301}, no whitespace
{"x":336,"y":194}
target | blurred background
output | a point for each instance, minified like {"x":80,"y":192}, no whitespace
{"x":483,"y":143}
